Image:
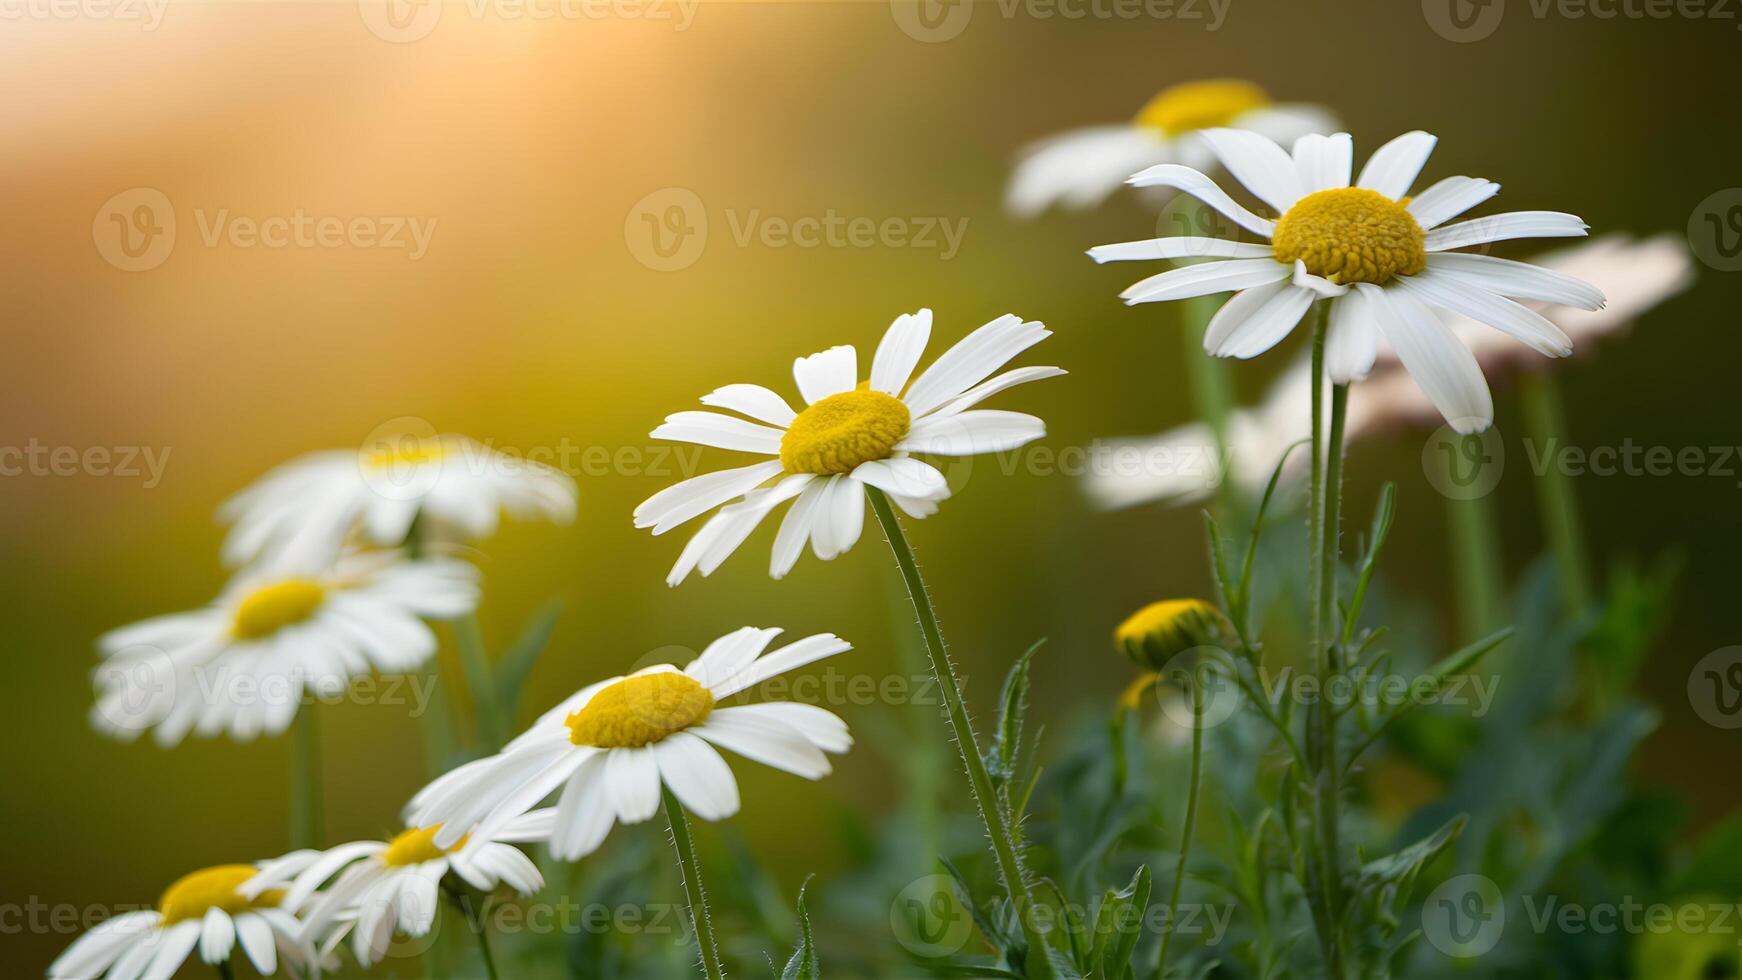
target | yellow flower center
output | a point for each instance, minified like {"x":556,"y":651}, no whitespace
{"x":416,"y":847}
{"x":1201,"y":105}
{"x":271,"y":608}
{"x":410,"y":452}
{"x":211,"y":888}
{"x":640,"y":710}
{"x":841,"y":431}
{"x":1351,"y":234}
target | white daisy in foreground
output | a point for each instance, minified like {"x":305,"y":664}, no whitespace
{"x":242,"y":664}
{"x":458,"y":486}
{"x":203,"y":909}
{"x":1079,"y":169}
{"x":851,"y":435}
{"x":387,"y":886}
{"x":1382,"y":258}
{"x":1184,"y":464}
{"x":612,"y":746}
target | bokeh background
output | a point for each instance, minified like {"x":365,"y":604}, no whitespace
{"x":536,"y":320}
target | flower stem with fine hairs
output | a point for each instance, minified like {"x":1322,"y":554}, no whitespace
{"x":1191,"y":818}
{"x":690,"y":870}
{"x":979,"y":781}
{"x":307,"y":817}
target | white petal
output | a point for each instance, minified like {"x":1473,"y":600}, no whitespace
{"x":632,"y":779}
{"x":1519,"y":280}
{"x":979,"y":430}
{"x":1318,"y":284}
{"x":1441,"y":365}
{"x":1323,"y":162}
{"x":585,"y":815}
{"x":1179,"y":247}
{"x":257,"y":943}
{"x":796,"y":529}
{"x":796,"y":654}
{"x":682,"y":502}
{"x":1258,"y":163}
{"x":727,"y":656}
{"x":217,"y":936}
{"x":824,"y":728}
{"x":1256,"y":320}
{"x":527,"y":794}
{"x":760,"y":740}
{"x":971,"y":361}
{"x":1205,"y":278}
{"x":1080,"y":169}
{"x":1392,"y":168}
{"x":725,"y":531}
{"x":1501,"y":227}
{"x":1351,"y":340}
{"x":755,"y":401}
{"x":720,"y":432}
{"x":1446,"y":291}
{"x":905,"y":476}
{"x":174,"y":945}
{"x":1204,"y":189}
{"x":1449,"y":198}
{"x":899,"y":352}
{"x":828,"y":373}
{"x":840,"y":518}
{"x":697,"y":776}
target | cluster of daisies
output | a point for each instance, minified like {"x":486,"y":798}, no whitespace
{"x":341,"y":555}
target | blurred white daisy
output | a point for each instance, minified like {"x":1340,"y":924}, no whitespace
{"x":1383,"y":259}
{"x":457,"y":486}
{"x":241,"y":665}
{"x":1079,"y":169}
{"x":204,"y":909}
{"x":851,"y":435}
{"x":383,"y":887}
{"x":1634,"y":274}
{"x":612,"y":746}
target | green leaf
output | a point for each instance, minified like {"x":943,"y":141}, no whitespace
{"x":1244,"y":586}
{"x":803,"y":965}
{"x":1012,"y":703}
{"x":1384,"y":882}
{"x":1136,"y":896}
{"x":998,"y":937}
{"x":1382,"y":517}
{"x":517,"y":662}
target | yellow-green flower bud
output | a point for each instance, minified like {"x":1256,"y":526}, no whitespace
{"x":1161,"y":631}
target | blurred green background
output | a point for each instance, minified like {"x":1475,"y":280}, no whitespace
{"x":530,"y":323}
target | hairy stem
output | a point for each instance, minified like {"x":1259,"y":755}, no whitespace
{"x":1191,"y":818}
{"x":690,"y":870}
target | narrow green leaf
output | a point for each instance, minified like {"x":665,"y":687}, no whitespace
{"x":1382,"y":517}
{"x":803,"y":965}
{"x":1012,"y":703}
{"x":517,"y":662}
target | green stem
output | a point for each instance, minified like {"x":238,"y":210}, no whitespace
{"x":690,"y":870}
{"x":1545,"y":420}
{"x":307,"y":817}
{"x":985,"y":797}
{"x":225,"y":970}
{"x":1211,"y":385}
{"x":1476,"y":565}
{"x":480,"y":683}
{"x":1191,"y":817}
{"x":475,"y":920}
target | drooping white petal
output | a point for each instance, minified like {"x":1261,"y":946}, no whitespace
{"x":761,"y":740}
{"x":1392,"y":168}
{"x":1258,"y":322}
{"x":899,"y":352}
{"x":697,"y":776}
{"x":1178,"y":247}
{"x":824,"y":728}
{"x":682,"y":502}
{"x":257,"y":943}
{"x":174,"y":945}
{"x":1449,"y":198}
{"x":720,"y":432}
{"x":1323,"y":162}
{"x":905,"y":476}
{"x":1351,"y":339}
{"x":725,"y":531}
{"x":632,"y":779}
{"x":1204,"y":189}
{"x":797,"y":528}
{"x":1441,"y":365}
{"x":217,"y":936}
{"x":1258,"y":163}
{"x":1448,"y":292}
{"x":1519,"y":280}
{"x":1205,"y":278}
{"x":840,"y":518}
{"x":1502,"y":227}
{"x":762,"y":404}
{"x":827,"y":373}
{"x":1318,"y":284}
{"x":585,"y":814}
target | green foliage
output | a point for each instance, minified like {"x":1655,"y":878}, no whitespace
{"x":803,"y":964}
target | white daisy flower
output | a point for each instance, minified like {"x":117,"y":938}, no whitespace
{"x":1080,"y":169}
{"x":242,"y":664}
{"x":383,"y":887}
{"x":1382,"y":258}
{"x":613,"y":745}
{"x":458,"y":486}
{"x":204,"y":909}
{"x":1634,"y":274}
{"x":851,"y":435}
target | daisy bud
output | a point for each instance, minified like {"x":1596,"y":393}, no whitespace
{"x":1161,"y":631}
